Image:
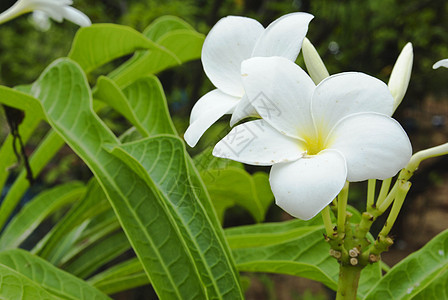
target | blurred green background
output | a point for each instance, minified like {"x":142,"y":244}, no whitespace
{"x":350,"y":35}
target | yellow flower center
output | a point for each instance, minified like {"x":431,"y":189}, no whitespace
{"x":314,"y":144}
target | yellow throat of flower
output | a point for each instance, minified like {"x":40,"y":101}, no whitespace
{"x":314,"y":144}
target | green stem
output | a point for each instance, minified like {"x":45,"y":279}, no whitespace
{"x":327,"y":221}
{"x":403,"y":188}
{"x":385,"y":186}
{"x":342,"y":208}
{"x":384,"y":205}
{"x":348,"y":282}
{"x":371,"y":192}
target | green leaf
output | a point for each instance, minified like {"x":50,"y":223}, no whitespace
{"x":155,"y":233}
{"x":147,"y":100}
{"x":13,"y":284}
{"x":163,"y":159}
{"x":233,"y":186}
{"x":121,"y":277}
{"x":185,"y":44}
{"x":38,"y":160}
{"x":107,"y":91}
{"x":164,"y":25}
{"x":38,"y":209}
{"x":97,"y":255}
{"x":22,"y":101}
{"x":98,"y":44}
{"x":33,"y":115}
{"x":294,"y":247}
{"x":418,"y":275}
{"x":180,"y":42}
{"x":94,"y":232}
{"x":67,"y":229}
{"x":205,"y":161}
{"x":42,"y":275}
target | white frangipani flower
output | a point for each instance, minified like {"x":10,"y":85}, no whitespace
{"x":55,"y":9}
{"x":231,"y":41}
{"x":315,"y":138}
{"x":401,"y":74}
{"x":441,"y":63}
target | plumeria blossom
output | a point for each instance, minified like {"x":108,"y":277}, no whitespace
{"x":231,"y":41}
{"x":441,"y":63}
{"x":315,"y":137}
{"x":55,"y":9}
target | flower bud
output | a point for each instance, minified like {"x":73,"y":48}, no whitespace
{"x":441,"y":63}
{"x":314,"y":64}
{"x":401,"y":74}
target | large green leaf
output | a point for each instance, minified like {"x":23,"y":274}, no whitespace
{"x":14,"y":284}
{"x":163,"y":160}
{"x":38,"y":209}
{"x":98,"y":44}
{"x":43,"y":275}
{"x":180,"y":42}
{"x":234,"y":186}
{"x":422,"y":274}
{"x":294,"y":247}
{"x":154,"y":231}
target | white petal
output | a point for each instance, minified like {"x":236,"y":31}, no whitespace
{"x":375,"y":146}
{"x":76,"y":16}
{"x":243,"y":110}
{"x":228,"y":43}
{"x":207,"y":111}
{"x":281,"y":93}
{"x":257,"y":143}
{"x":304,"y":187}
{"x":346,"y":93}
{"x":40,"y":20}
{"x":284,"y":36}
{"x":441,"y":63}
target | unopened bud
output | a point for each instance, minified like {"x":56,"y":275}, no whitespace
{"x":314,"y":64}
{"x":441,"y":63}
{"x":353,"y":261}
{"x":401,"y":74}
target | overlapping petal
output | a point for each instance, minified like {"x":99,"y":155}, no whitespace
{"x":374,"y":145}
{"x":304,"y":187}
{"x":257,"y":143}
{"x":243,"y":110}
{"x":207,"y":111}
{"x":281,"y":93}
{"x":284,"y":36}
{"x":230,"y":41}
{"x":343,"y":94}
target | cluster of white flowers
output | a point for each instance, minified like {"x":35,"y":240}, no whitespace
{"x":43,"y":9}
{"x":315,"y":137}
